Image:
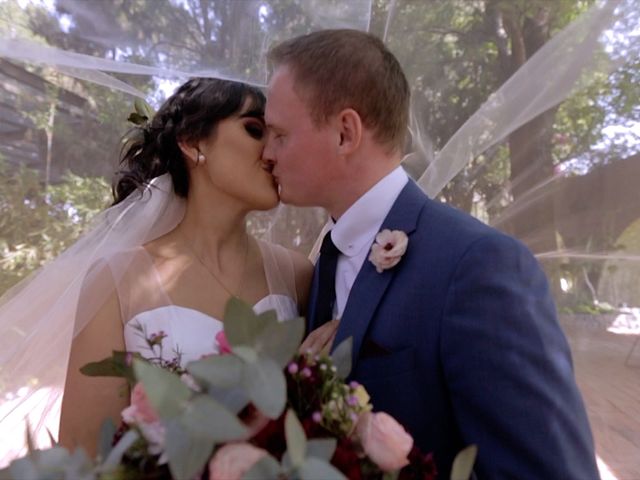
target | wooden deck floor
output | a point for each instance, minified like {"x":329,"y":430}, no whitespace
{"x":610,"y":385}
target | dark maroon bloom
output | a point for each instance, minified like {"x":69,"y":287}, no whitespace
{"x":346,"y":459}
{"x":421,"y":467}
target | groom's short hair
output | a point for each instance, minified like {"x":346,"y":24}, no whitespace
{"x":337,"y":69}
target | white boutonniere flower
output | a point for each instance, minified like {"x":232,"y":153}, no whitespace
{"x":388,"y":249}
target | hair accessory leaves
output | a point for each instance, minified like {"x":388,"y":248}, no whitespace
{"x":142,"y":114}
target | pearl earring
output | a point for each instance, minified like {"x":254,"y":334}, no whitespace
{"x":200,"y":158}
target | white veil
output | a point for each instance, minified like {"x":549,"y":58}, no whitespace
{"x":586,"y":194}
{"x":38,"y":314}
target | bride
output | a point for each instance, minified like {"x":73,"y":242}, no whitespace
{"x":200,"y":156}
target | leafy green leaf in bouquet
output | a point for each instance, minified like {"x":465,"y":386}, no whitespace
{"x":322,"y":448}
{"x":462,"y":467}
{"x":204,"y":417}
{"x":266,"y":386}
{"x":341,"y":357}
{"x":55,"y":462}
{"x":267,"y":468}
{"x":280,"y":340}
{"x":296,"y":439}
{"x":187,"y":453}
{"x":114,"y":458}
{"x":314,"y":468}
{"x":105,"y":440}
{"x":166,"y":392}
{"x":223,"y":371}
{"x":241,"y":324}
{"x":247,"y":354}
{"x":119,"y":364}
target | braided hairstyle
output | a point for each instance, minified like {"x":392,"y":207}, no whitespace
{"x":189,"y":115}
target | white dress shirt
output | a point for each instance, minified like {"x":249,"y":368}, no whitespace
{"x":356,"y":230}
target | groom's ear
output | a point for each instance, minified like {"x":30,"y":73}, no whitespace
{"x":350,"y":129}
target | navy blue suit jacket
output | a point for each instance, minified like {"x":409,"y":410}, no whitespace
{"x":460,"y":343}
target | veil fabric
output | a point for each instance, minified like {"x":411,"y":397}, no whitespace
{"x":461,"y":157}
{"x":40,"y":316}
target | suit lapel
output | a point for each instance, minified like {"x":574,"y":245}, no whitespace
{"x":370,"y":286}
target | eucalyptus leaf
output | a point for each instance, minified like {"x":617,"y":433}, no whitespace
{"x":223,"y":371}
{"x":241,"y":325}
{"x":166,"y":392}
{"x":117,"y":365}
{"x":267,"y":468}
{"x":322,"y":448}
{"x":235,"y":399}
{"x":462,"y":467}
{"x":79,"y":466}
{"x":40,"y":464}
{"x":341,"y":357}
{"x":268,"y":317}
{"x":187,"y":453}
{"x":296,"y":439}
{"x":23,"y":468}
{"x":107,"y":431}
{"x":314,"y":468}
{"x":246,"y":353}
{"x":266,"y":386}
{"x":115,"y":456}
{"x":281,"y":340}
{"x":204,"y":417}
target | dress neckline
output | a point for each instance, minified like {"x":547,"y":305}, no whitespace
{"x":181,"y":307}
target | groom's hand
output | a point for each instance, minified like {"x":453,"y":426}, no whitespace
{"x":321,"y":339}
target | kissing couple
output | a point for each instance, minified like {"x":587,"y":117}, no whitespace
{"x":453,"y":326}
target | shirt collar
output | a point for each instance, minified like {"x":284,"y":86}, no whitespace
{"x":358,"y":226}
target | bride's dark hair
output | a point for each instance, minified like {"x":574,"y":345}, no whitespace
{"x":189,"y":115}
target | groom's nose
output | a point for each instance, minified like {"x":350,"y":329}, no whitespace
{"x":268,"y":155}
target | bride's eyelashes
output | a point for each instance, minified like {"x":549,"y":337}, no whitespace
{"x":255,"y":129}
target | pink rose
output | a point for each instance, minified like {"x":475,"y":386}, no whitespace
{"x":384,"y":440}
{"x":223,"y":343}
{"x":141,"y":414}
{"x":388,"y":249}
{"x":140,"y":410}
{"x":233,"y":460}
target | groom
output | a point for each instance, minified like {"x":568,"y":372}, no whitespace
{"x":459,"y":339}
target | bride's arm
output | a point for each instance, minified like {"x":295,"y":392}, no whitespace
{"x":88,"y":401}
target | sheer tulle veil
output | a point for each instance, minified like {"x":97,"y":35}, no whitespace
{"x":38,"y":317}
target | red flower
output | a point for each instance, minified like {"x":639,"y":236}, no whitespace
{"x":421,"y":467}
{"x":346,"y":459}
{"x":272,"y":438}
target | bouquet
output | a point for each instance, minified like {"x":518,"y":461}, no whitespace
{"x":259,"y":410}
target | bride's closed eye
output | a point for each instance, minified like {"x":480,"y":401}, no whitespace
{"x":255,"y":129}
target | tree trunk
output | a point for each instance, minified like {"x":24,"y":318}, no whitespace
{"x":530,"y":145}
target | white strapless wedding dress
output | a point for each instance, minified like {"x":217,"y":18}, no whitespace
{"x":190,"y":333}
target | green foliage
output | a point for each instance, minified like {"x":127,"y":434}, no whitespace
{"x":37,"y":223}
{"x":462,"y":467}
